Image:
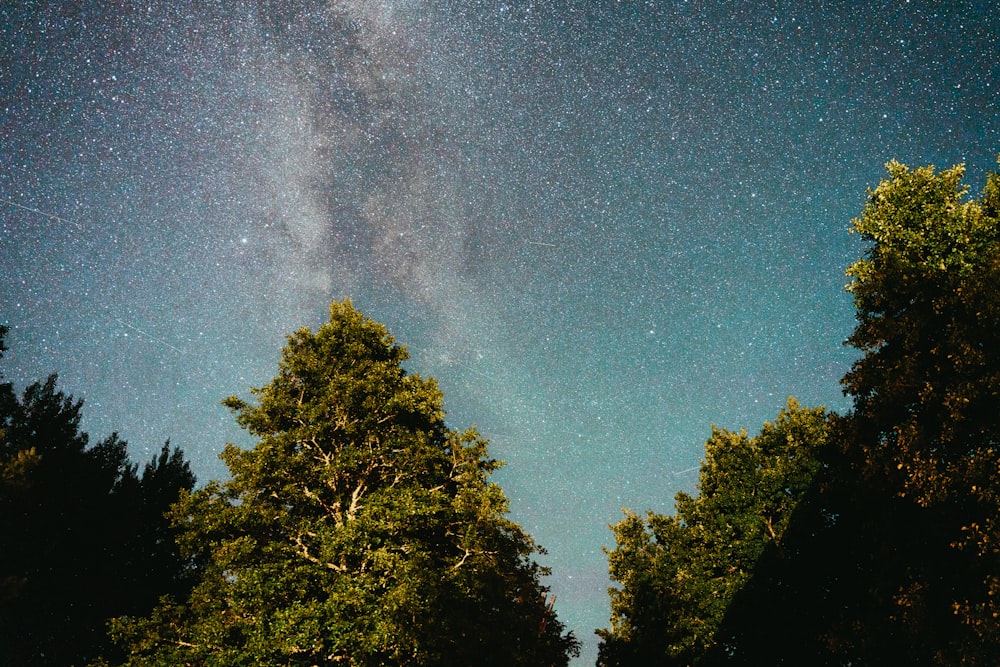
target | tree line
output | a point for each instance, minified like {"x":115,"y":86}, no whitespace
{"x":362,"y":530}
{"x":83,"y":535}
{"x":870,"y":538}
{"x":359,"y":530}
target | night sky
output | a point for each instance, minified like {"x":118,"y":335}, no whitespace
{"x":602,"y":226}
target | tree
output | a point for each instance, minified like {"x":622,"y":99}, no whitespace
{"x":925,"y":390}
{"x":891,"y":556}
{"x":678,"y":574}
{"x":84,"y":538}
{"x":926,"y":424}
{"x":359,"y":530}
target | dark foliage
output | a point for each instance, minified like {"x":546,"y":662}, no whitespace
{"x":84,"y":537}
{"x":894,"y":555}
{"x":678,"y":574}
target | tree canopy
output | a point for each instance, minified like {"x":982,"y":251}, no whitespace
{"x":926,"y":424}
{"x":358,"y":530}
{"x":678,"y":573}
{"x":895,"y":545}
{"x":890,"y":552}
{"x":84,"y":536}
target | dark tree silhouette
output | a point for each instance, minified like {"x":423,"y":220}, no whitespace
{"x":83,"y":537}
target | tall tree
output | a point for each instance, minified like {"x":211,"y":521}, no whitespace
{"x":892,"y":553}
{"x":83,"y":537}
{"x":359,"y":530}
{"x":893,"y":556}
{"x":678,"y":574}
{"x":925,"y":391}
{"x":926,"y":425}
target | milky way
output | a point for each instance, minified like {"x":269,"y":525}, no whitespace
{"x":603,"y":226}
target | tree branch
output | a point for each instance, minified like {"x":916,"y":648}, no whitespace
{"x":303,"y":551}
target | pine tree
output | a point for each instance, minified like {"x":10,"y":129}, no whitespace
{"x":82,"y":537}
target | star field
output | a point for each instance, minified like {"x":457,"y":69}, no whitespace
{"x":602,"y":226}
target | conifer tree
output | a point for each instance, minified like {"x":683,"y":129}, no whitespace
{"x":83,"y":537}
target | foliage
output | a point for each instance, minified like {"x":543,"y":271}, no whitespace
{"x":926,"y":395}
{"x":678,"y":574}
{"x":891,"y":555}
{"x":85,"y":538}
{"x":927,"y":301}
{"x":359,"y":530}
